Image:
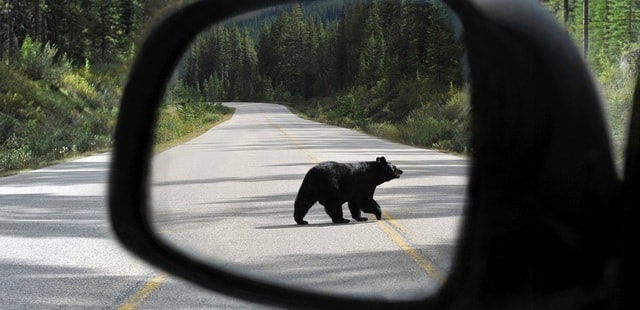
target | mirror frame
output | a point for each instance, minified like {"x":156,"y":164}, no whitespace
{"x":521,"y":36}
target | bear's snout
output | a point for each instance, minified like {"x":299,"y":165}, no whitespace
{"x":397,"y":172}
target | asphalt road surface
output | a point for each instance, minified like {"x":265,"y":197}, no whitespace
{"x":226,"y":197}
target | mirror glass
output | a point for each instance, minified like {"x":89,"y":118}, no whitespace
{"x":291,"y":87}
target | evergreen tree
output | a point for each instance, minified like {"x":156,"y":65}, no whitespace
{"x":372,"y":52}
{"x":104,"y":32}
{"x":614,"y":27}
{"x":375,"y":45}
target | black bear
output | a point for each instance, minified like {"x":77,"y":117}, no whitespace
{"x":332,"y":184}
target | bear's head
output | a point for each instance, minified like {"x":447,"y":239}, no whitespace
{"x":390,"y":170}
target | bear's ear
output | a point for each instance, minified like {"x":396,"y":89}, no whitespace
{"x":381,"y":159}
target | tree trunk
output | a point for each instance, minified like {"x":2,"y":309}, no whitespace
{"x":585,"y":29}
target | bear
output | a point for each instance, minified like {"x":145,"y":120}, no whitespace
{"x":332,"y":184}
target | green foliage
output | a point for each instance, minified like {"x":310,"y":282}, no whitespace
{"x":303,"y":54}
{"x":434,"y":124}
{"x":35,"y":58}
{"x":618,"y":84}
{"x":75,"y":86}
{"x":613,"y":54}
{"x":223,"y":64}
{"x":60,"y":98}
{"x":179,"y":119}
{"x":350,"y":107}
{"x":386,"y":130}
{"x":100,"y":30}
{"x":186,"y":108}
{"x":14,"y":155}
{"x":388,"y":67}
{"x":423,"y":129}
{"x":49,"y":115}
{"x":441,"y":126}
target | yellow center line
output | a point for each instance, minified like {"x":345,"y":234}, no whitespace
{"x":295,"y":142}
{"x":136,"y":300}
{"x":392,"y":221}
{"x":423,"y":262}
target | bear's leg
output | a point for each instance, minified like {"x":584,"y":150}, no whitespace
{"x":301,"y":207}
{"x":374,"y":208}
{"x":334,"y":210}
{"x":355,"y":212}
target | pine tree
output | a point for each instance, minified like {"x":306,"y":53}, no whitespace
{"x":372,"y":52}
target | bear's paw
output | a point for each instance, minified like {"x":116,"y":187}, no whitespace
{"x":340,"y":221}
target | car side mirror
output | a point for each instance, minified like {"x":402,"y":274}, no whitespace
{"x":547,"y":219}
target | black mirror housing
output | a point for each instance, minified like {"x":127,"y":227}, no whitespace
{"x":547,"y":218}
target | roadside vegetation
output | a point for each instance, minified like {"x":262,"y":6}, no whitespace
{"x":50,"y":110}
{"x":392,"y":69}
{"x":184,"y":112}
{"x":62,"y":68}
{"x":609,"y":39}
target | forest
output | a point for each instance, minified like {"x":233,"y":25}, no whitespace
{"x":608,"y":34}
{"x":395,"y":69}
{"x":390,"y":68}
{"x":62,"y":67}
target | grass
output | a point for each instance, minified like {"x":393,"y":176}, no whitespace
{"x":159,"y":147}
{"x":163,"y":146}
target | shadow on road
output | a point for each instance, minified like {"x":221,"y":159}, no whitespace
{"x":370,"y":275}
{"x":66,"y":200}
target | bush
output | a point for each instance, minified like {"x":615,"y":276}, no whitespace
{"x":8,"y":125}
{"x":180,"y":119}
{"x":14,"y":154}
{"x":416,"y":113}
{"x":422,"y":129}
{"x":49,"y":111}
{"x":385,"y":130}
{"x":75,"y":86}
{"x":35,"y":58}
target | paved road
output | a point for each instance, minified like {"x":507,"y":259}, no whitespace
{"x":57,"y":250}
{"x":227,"y":197}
